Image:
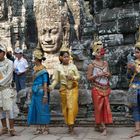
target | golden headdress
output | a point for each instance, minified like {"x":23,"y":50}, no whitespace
{"x":65,"y":47}
{"x":37,"y":53}
{"x":96,"y":47}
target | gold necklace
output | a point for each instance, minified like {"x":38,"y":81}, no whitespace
{"x":65,"y":68}
{"x":38,"y":68}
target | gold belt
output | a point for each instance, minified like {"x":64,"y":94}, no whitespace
{"x":103,"y":87}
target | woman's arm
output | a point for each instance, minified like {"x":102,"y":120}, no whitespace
{"x":90,"y":72}
{"x":55,"y":80}
{"x":107,"y":73}
{"x":77,"y":75}
{"x":45,"y":97}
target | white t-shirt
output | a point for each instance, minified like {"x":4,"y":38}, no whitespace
{"x":20,"y":65}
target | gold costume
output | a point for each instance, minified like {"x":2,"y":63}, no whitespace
{"x":68,"y":90}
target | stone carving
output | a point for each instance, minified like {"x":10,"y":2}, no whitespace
{"x":55,"y":22}
{"x":49,"y":26}
{"x":50,"y":34}
{"x":3,"y":10}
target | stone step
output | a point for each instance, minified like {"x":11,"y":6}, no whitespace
{"x":80,"y":121}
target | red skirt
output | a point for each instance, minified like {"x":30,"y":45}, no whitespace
{"x":101,"y":106}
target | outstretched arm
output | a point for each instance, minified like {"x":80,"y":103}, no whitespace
{"x":55,"y":80}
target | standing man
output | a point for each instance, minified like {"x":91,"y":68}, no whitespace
{"x":7,"y":96}
{"x":20,"y":68}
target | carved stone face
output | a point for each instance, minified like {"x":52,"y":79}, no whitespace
{"x":50,"y":40}
{"x":1,"y":9}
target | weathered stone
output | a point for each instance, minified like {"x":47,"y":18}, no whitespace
{"x":127,"y":25}
{"x":129,"y":38}
{"x":97,"y":5}
{"x":107,"y":28}
{"x":115,"y":22}
{"x":112,"y":39}
{"x":112,"y":3}
{"x":127,"y":13}
{"x":106,"y":15}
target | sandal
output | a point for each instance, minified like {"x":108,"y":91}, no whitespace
{"x":3,"y":131}
{"x":38,"y":131}
{"x":135,"y":133}
{"x":45,"y":131}
{"x":71,"y":130}
{"x":13,"y":132}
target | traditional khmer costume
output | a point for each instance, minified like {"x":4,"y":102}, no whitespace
{"x":134,"y":90}
{"x":68,"y":90}
{"x":100,"y":95}
{"x":39,"y":112}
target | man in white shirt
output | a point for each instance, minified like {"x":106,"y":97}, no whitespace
{"x":8,"y":106}
{"x":20,"y":68}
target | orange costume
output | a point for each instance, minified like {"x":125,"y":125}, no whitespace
{"x":98,"y":74}
{"x":100,"y":96}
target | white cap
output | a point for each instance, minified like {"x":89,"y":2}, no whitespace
{"x":2,"y":47}
{"x":18,"y":50}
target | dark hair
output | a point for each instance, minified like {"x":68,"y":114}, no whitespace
{"x":42,"y":59}
{"x":63,"y":52}
{"x":137,"y":48}
{"x":61,"y":55}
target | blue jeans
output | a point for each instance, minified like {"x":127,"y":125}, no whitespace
{"x":20,"y":81}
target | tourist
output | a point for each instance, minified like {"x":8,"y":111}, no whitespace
{"x":20,"y":69}
{"x":67,"y":75}
{"x":98,"y":74}
{"x":39,"y":113}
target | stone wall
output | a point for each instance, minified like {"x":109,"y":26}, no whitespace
{"x":115,"y":22}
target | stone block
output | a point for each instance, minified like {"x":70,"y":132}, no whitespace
{"x":129,"y":38}
{"x":107,"y":28}
{"x":112,"y":39}
{"x":127,"y":12}
{"x":107,"y":15}
{"x":118,"y":96}
{"x":117,"y":3}
{"x":127,"y":25}
{"x":97,"y":5}
{"x":85,"y":97}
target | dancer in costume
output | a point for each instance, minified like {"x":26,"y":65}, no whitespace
{"x":133,"y":74}
{"x":39,"y":113}
{"x":98,"y":74}
{"x":67,"y":75}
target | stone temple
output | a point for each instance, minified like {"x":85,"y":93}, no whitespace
{"x":47,"y":24}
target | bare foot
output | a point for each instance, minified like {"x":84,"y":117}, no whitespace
{"x":104,"y":132}
{"x":13,"y":132}
{"x":38,"y":131}
{"x":135,"y":133}
{"x":98,"y":128}
{"x":4,"y":131}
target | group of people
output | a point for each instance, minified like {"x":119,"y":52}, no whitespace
{"x":11,"y":69}
{"x":67,"y":76}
